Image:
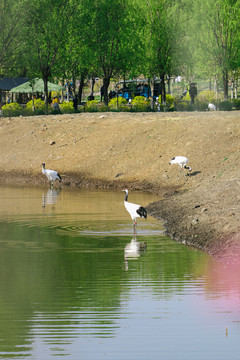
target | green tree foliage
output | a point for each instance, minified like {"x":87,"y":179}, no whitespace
{"x":77,"y":57}
{"x":80,"y":39}
{"x":47,"y":34}
{"x":163,"y":41}
{"x":110,"y":26}
{"x":13,"y":16}
{"x":217,"y":29}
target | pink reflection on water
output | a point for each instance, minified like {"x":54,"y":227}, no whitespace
{"x":223,"y":284}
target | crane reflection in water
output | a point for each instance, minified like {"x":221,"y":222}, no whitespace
{"x":134,"y":250}
{"x":50,"y":197}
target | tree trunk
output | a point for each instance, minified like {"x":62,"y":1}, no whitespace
{"x":74,"y":84}
{"x":225,"y":84}
{"x":151,"y":91}
{"x":33,"y":107}
{"x":106,"y":82}
{"x":235,"y":89}
{"x":232,"y":87}
{"x":163,"y":90}
{"x":169,"y":85}
{"x":80,"y":89}
{"x":62,"y":83}
{"x":216,"y":87}
{"x":93,"y":83}
{"x":67,"y":92}
{"x":235,"y":85}
{"x":45,"y":80}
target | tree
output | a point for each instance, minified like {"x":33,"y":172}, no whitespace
{"x":111,"y":33}
{"x":163,"y":39}
{"x":47,"y":37}
{"x":218,"y":29}
{"x":13,"y":15}
{"x":77,"y":57}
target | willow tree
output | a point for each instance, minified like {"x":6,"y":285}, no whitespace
{"x":111,"y":37}
{"x":217,"y":29}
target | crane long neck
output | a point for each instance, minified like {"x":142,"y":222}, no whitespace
{"x":126,"y":196}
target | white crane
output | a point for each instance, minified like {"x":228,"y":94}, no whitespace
{"x":134,"y":209}
{"x":182,"y":162}
{"x":211,"y":107}
{"x":52,"y":175}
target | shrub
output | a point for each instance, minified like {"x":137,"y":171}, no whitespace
{"x":206,"y":96}
{"x":170,"y":100}
{"x":67,"y":107}
{"x":39,"y":107}
{"x":140,"y":103}
{"x":102,"y":107}
{"x":118,"y":104}
{"x":201,"y":105}
{"x":92,"y":106}
{"x":169,"y":104}
{"x":140,"y":100}
{"x":185,"y":106}
{"x":92,"y":103}
{"x":120,"y":101}
{"x":12,"y":109}
{"x":225,"y":105}
{"x":124,"y":108}
{"x":187,"y":98}
{"x":236,"y":104}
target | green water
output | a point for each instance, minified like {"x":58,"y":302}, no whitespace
{"x":69,"y":288}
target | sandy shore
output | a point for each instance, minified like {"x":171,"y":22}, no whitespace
{"x":113,"y":150}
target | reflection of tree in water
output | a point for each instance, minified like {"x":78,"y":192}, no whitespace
{"x":57,"y":283}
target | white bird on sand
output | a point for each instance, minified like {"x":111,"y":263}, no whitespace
{"x":182,"y":162}
{"x":211,"y":107}
{"x":134,"y":209}
{"x":52,"y":175}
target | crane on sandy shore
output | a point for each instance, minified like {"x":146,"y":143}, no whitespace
{"x":182,"y":162}
{"x":51,"y":175}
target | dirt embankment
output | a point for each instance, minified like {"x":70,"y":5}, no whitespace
{"x":114,"y":150}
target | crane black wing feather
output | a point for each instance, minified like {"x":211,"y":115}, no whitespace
{"x":142,"y":212}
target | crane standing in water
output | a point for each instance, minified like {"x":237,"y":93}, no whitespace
{"x":134,"y":210}
{"x":52,"y":175}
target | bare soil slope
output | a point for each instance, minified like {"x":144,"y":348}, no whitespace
{"x":118,"y":149}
